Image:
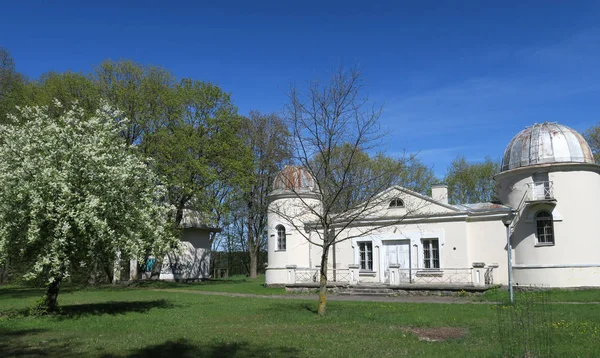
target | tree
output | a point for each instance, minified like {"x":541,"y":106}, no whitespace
{"x":200,"y":155}
{"x":370,"y":173}
{"x":71,"y":193}
{"x":147,"y":96}
{"x":269,"y":141}
{"x":472,"y":182}
{"x":592,"y":136}
{"x":324,"y":119}
{"x":12,"y":85}
{"x":67,"y":88}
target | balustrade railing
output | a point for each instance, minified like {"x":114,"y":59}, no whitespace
{"x":441,"y":276}
{"x":540,"y":190}
{"x":309,"y":275}
{"x":400,"y":276}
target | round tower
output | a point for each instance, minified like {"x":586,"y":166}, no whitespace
{"x":293,"y":203}
{"x":549,"y":177}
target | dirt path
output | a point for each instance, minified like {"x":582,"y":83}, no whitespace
{"x":357,"y":298}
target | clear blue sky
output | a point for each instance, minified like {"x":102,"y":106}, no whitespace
{"x":454,"y":77}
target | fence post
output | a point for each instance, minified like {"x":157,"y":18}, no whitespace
{"x":291,"y":269}
{"x":354,"y":273}
{"x":478,"y":274}
{"x":493,"y":267}
{"x":394,"y":274}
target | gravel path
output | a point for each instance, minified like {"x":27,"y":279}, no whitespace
{"x":357,"y":298}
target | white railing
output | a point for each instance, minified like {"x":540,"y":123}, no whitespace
{"x":478,"y":275}
{"x":437,"y":276}
{"x":309,"y":275}
{"x":540,"y":190}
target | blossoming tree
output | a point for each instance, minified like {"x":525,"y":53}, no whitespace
{"x":72,"y":194}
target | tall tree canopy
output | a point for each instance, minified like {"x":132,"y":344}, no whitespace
{"x":368,"y":174}
{"x":592,"y":136}
{"x":200,"y":154}
{"x":71,"y":195}
{"x":146,"y":95}
{"x":270,"y":143}
{"x":12,"y":85}
{"x":472,"y":182}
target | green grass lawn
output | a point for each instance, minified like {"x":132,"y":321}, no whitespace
{"x":235,"y":284}
{"x":135,"y":321}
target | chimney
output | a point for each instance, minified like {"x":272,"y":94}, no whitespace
{"x":439,"y":192}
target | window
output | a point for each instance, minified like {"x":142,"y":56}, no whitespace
{"x":431,"y":254}
{"x":397,"y":203}
{"x":280,"y":238}
{"x":365,"y":250}
{"x":545,"y":228}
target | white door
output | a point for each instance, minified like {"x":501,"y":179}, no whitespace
{"x":396,"y":252}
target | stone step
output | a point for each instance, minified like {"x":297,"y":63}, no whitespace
{"x":367,"y":291}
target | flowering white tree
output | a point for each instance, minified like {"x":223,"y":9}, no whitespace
{"x":73,"y":194}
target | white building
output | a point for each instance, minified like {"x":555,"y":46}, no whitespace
{"x":549,"y":183}
{"x":190,"y":262}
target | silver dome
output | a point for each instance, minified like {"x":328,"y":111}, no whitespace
{"x":546,"y":143}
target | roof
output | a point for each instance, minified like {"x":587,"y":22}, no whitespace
{"x":193,"y":219}
{"x":545,"y":143}
{"x":294,"y":179}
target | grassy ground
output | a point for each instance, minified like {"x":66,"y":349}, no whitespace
{"x":138,"y":322}
{"x":235,"y":284}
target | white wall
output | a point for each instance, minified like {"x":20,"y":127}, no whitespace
{"x":576,"y":250}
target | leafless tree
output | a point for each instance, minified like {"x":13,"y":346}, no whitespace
{"x":333,"y":125}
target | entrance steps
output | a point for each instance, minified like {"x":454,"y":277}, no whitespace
{"x":368,"y":291}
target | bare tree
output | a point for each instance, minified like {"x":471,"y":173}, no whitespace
{"x":268,"y":139}
{"x":333,"y":125}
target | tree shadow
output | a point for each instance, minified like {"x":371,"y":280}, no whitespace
{"x":11,"y":345}
{"x":184,"y":348}
{"x":26,"y":292}
{"x":111,"y":308}
{"x":98,"y":309}
{"x":287,"y":307}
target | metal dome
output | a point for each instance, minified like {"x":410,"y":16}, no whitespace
{"x":546,"y":143}
{"x":294,"y":179}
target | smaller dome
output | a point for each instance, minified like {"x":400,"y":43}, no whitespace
{"x":294,"y":179}
{"x":546,"y":143}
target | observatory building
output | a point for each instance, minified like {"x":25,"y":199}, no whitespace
{"x":549,"y":186}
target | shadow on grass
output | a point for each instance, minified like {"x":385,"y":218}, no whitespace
{"x":26,"y":292}
{"x":13,"y":345}
{"x":183,"y":284}
{"x":292,"y":307}
{"x":98,"y":309}
{"x":112,"y":308}
{"x":184,"y":348}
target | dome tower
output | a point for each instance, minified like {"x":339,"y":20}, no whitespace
{"x":292,"y":203}
{"x":548,"y":176}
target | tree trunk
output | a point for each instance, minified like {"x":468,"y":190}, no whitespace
{"x":323,"y":282}
{"x":49,"y":303}
{"x":252,"y":248}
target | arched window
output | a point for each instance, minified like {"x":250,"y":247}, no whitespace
{"x":545,"y":228}
{"x":396,"y":203}
{"x":280,"y":237}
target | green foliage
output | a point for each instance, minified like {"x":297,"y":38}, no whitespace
{"x":72,"y":196}
{"x":592,"y":136}
{"x":367,"y":174}
{"x":67,"y":88}
{"x":146,"y":95}
{"x":12,"y":85}
{"x":471,"y":182}
{"x":200,"y":155}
